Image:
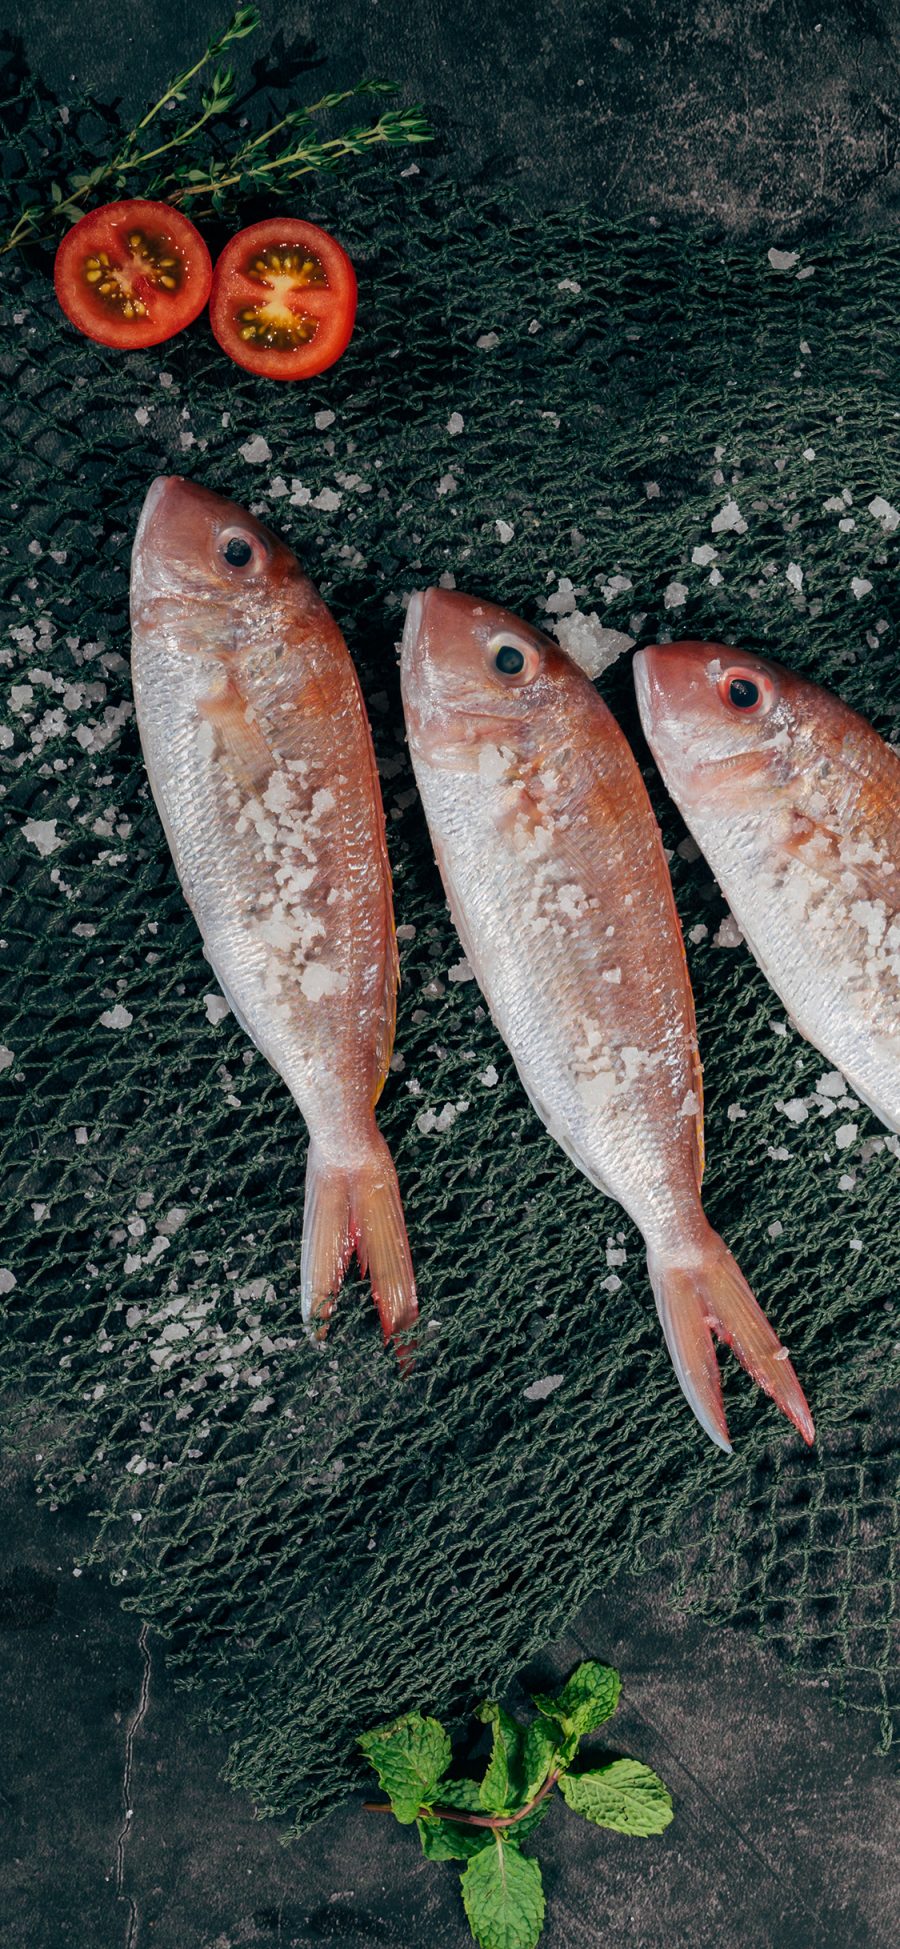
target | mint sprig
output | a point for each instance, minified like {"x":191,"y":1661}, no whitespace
{"x":485,"y":1822}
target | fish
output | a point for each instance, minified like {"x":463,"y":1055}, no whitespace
{"x":557,"y":882}
{"x":794,"y":800}
{"x":260,"y":760}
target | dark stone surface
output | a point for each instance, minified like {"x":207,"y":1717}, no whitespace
{"x":784,"y":1836}
{"x":748,"y":114}
{"x":775,"y":115}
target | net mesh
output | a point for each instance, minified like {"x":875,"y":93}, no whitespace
{"x":527,"y":402}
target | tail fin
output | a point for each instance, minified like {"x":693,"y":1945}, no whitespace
{"x":356,"y":1210}
{"x":705,"y":1293}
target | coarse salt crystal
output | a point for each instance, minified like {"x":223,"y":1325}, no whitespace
{"x":883,"y":512}
{"x":256,"y":451}
{"x":216,"y":1008}
{"x":539,"y":1390}
{"x":729,"y":520}
{"x":42,"y":834}
{"x":119,"y":1017}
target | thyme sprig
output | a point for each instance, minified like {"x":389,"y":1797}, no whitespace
{"x":189,"y":164}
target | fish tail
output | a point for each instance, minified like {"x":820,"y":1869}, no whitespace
{"x":702,"y":1292}
{"x":357,"y":1209}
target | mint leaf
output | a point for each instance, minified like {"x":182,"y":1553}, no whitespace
{"x":497,"y":1791}
{"x":586,"y":1701}
{"x":460,"y":1793}
{"x":504,"y":1898}
{"x":409,"y":1757}
{"x":443,"y":1841}
{"x":624,"y":1795}
{"x":539,"y":1747}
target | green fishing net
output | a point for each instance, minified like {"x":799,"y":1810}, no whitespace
{"x":656,"y":428}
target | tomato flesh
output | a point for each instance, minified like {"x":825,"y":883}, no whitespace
{"x":132,"y":274}
{"x":283,"y":299}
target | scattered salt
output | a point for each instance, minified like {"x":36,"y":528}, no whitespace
{"x":447,"y":484}
{"x":783,"y":260}
{"x":256,"y":451}
{"x":704,"y":555}
{"x":675,"y":595}
{"x":831,"y":1084}
{"x":728,"y":934}
{"x":216,"y":1008}
{"x":460,"y":971}
{"x":729,"y":520}
{"x":487,"y":341}
{"x":6,"y":1057}
{"x":7,"y":1280}
{"x":539,"y":1390}
{"x":117,"y":1018}
{"x":42,"y":833}
{"x":489,"y":1077}
{"x":795,"y":1109}
{"x":883,"y":512}
{"x":455,"y":424}
{"x":505,"y":530}
{"x":845,"y":1135}
{"x":794,"y":575}
{"x":585,"y":639}
{"x":323,"y":419}
{"x":860,"y":586}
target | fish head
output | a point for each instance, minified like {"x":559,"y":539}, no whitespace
{"x":198,"y":556}
{"x":714,"y":716}
{"x":473,"y":675}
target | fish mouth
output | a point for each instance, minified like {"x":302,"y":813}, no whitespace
{"x":646,"y":687}
{"x":156,"y":493}
{"x":412,"y":627}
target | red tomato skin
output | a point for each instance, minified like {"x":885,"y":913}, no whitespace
{"x":91,"y":233}
{"x":333,"y":336}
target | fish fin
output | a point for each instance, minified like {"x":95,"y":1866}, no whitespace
{"x":384,"y":1047}
{"x":705,"y":1293}
{"x":359,"y":1210}
{"x":239,"y":739}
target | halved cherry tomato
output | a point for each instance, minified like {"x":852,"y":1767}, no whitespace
{"x":283,"y":299}
{"x":132,"y":274}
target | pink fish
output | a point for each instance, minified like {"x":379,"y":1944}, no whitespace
{"x":795,"y":801}
{"x":558,"y":885}
{"x":260,"y":759}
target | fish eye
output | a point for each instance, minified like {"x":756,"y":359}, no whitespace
{"x":747,"y":691}
{"x":517,"y":662}
{"x":241,"y":550}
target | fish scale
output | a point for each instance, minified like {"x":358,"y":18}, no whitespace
{"x":546,"y":839}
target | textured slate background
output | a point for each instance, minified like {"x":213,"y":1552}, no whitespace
{"x":776,"y":117}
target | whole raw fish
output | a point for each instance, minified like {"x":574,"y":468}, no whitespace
{"x":558,"y":885}
{"x":260,"y":759}
{"x":795,"y":802}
